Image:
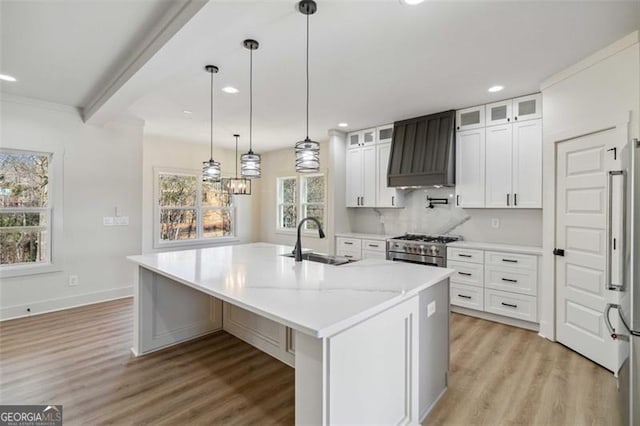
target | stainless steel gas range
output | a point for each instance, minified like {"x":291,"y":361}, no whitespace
{"x":422,"y":249}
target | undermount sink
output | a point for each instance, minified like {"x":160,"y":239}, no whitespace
{"x":322,"y":258}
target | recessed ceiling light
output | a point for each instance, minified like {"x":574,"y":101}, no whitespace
{"x":7,"y":78}
{"x":230,"y":89}
{"x":411,"y":2}
{"x":186,"y":111}
{"x":343,"y":124}
{"x":494,"y":89}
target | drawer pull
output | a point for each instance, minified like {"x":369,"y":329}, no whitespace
{"x":509,"y":280}
{"x":374,"y":245}
{"x":464,"y":255}
{"x":348,"y":243}
{"x":509,"y":305}
{"x":348,"y":256}
{"x":464,"y":296}
{"x":510,"y":260}
{"x":465,"y":274}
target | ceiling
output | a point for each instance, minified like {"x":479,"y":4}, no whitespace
{"x":372,"y":62}
{"x":63,"y":51}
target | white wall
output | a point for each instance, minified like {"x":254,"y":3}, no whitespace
{"x":281,"y":163}
{"x":159,"y":152}
{"x":517,"y":226}
{"x":101,"y":171}
{"x":603,"y":87}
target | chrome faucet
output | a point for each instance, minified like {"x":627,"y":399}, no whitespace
{"x":297,"y":250}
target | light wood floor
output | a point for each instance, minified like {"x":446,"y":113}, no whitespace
{"x":80,"y":358}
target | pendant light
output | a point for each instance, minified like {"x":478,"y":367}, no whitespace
{"x":250,"y":162}
{"x":307,"y":151}
{"x":236,"y":185}
{"x":211,"y":169}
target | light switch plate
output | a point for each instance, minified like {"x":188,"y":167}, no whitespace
{"x":431,"y":308}
{"x":121,"y":220}
{"x":107,"y":221}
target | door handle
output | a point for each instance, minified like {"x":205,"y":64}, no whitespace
{"x":611,"y":174}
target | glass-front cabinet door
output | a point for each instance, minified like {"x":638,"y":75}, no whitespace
{"x":354,"y":139}
{"x":498,"y":113}
{"x":527,"y":107}
{"x":470,"y":118}
{"x":385,"y":133}
{"x":369,"y":136}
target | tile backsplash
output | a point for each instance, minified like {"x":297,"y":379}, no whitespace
{"x":516,"y":226}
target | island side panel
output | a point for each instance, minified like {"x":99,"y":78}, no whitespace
{"x":372,"y":369}
{"x":434,"y":345}
{"x":310,"y":380}
{"x":168,"y":313}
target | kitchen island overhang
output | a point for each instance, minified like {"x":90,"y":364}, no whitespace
{"x":369,"y":340}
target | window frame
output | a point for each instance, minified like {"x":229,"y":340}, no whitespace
{"x":200,"y":240}
{"x":300,"y":203}
{"x":54,"y":215}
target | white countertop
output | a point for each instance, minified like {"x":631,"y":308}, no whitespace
{"x":317,"y":299}
{"x":535,"y":250}
{"x":364,"y":236}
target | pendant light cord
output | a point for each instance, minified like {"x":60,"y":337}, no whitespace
{"x":307,"y":76}
{"x":236,"y":157}
{"x":251,"y":100}
{"x":211,"y":121}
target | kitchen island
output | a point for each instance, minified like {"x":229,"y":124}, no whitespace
{"x":369,"y":340}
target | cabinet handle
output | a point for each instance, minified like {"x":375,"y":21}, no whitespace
{"x":374,"y":245}
{"x":458,"y":128}
{"x":457,"y":200}
{"x":507,"y":199}
{"x":348,"y":256}
{"x":465,"y":274}
{"x":464,"y":296}
{"x":515,"y":199}
{"x":509,"y":280}
{"x":348,"y":243}
{"x":510,"y":260}
{"x":362,"y":198}
{"x":464,"y":255}
{"x":508,"y":119}
{"x":515,"y":118}
{"x":393,"y":200}
{"x":509,"y":305}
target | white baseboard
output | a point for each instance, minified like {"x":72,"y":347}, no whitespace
{"x":52,"y":305}
{"x":495,"y":318}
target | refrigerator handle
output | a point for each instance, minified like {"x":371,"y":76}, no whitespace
{"x":607,"y":322}
{"x":611,"y":174}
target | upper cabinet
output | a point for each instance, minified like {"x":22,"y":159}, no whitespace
{"x":470,"y":118}
{"x":367,"y":164}
{"x":527,"y":107}
{"x":500,"y":164}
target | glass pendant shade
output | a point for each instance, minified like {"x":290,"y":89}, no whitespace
{"x":211,"y":171}
{"x":307,"y":156}
{"x":250,"y":165}
{"x":237,"y":186}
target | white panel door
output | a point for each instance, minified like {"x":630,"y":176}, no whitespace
{"x":581,"y":295}
{"x":527,"y":164}
{"x":354,"y":177}
{"x":368,"y":177}
{"x":498,"y":167}
{"x":470,"y":163}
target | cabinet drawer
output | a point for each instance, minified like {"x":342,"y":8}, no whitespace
{"x":464,"y":255}
{"x":374,"y":245}
{"x":466,"y":273}
{"x":512,"y":280}
{"x":371,"y":254}
{"x":511,"y":305}
{"x":516,"y":261}
{"x":350,"y":244}
{"x":467,"y":296}
{"x":349,"y":254}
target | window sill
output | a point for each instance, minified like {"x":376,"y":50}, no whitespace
{"x":24,"y":270}
{"x":185,"y":245}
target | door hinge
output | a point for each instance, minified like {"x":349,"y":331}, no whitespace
{"x":558,"y":252}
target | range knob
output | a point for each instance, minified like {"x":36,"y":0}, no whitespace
{"x":434,"y":250}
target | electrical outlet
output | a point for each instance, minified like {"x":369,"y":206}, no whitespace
{"x":431,"y":308}
{"x":121,"y":220}
{"x":495,"y":223}
{"x":73,"y":280}
{"x":107,"y":221}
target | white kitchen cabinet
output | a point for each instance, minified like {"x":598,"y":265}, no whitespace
{"x":527,"y":164}
{"x":368,"y":177}
{"x":361,"y":248}
{"x":354,"y":140}
{"x":470,"y":118}
{"x":527,"y":107}
{"x":470,"y":168}
{"x":386,"y":196}
{"x":498,"y":179}
{"x":498,"y":113}
{"x":361,"y":177}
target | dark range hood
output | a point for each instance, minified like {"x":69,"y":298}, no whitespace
{"x":423,"y":151}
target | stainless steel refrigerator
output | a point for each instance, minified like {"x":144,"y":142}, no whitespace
{"x":626,"y":255}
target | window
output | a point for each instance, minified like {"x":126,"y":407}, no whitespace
{"x":190,"y":210}
{"x":25,"y":208}
{"x":299,"y":198}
